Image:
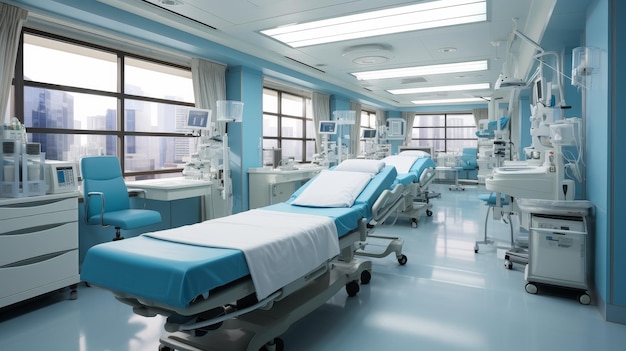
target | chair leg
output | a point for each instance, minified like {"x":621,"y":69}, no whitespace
{"x":118,"y":235}
{"x":485,"y":241}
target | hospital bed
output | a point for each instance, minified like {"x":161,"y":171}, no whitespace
{"x":220,"y":295}
{"x":416,"y":170}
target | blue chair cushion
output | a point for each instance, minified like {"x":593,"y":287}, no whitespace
{"x":128,"y":219}
{"x":490,"y":199}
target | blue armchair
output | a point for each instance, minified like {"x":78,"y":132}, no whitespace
{"x":106,"y":196}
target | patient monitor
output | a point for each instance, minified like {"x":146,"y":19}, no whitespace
{"x":61,"y":177}
{"x":198,"y":119}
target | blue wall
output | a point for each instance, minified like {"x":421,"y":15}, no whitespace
{"x":617,"y":91}
{"x":246,"y":85}
{"x":603,"y":146}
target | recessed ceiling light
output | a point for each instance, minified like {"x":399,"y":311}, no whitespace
{"x":478,"y":86}
{"x":424,"y":15}
{"x":445,"y":68}
{"x":369,"y":54}
{"x":171,"y":2}
{"x":447,"y":101}
{"x":447,"y":50}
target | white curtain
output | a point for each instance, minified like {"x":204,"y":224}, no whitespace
{"x":380,"y":118}
{"x":355,"y":129}
{"x":321,"y":112}
{"x":480,"y":113}
{"x":209,"y":85}
{"x":11,"y":20}
{"x":409,"y":119}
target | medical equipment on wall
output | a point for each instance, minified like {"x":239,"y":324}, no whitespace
{"x":328,"y":154}
{"x":395,"y":129}
{"x":61,"y":176}
{"x":372,"y":148}
{"x":585,"y":63}
{"x":543,"y":174}
{"x":211,"y":160}
{"x":494,"y":146}
{"x":344,"y":120}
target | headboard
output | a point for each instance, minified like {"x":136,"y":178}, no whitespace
{"x":428,"y":149}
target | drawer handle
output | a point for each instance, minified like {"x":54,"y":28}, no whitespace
{"x":37,"y":259}
{"x":39,"y":228}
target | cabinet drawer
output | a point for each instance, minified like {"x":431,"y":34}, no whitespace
{"x":18,"y":246}
{"x":35,"y":222}
{"x":28,"y":209}
{"x":36,"y":278}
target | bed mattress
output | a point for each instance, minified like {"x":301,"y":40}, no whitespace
{"x":158,"y":270}
{"x":174,"y":273}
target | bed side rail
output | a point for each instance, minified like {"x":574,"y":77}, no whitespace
{"x":387,"y":203}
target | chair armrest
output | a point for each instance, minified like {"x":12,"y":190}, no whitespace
{"x":137,"y":192}
{"x":88,"y":199}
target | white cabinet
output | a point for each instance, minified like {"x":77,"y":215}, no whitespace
{"x":269,"y":186}
{"x":38,"y":246}
{"x":559,"y":247}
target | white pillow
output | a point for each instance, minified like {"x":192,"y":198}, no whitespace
{"x":416,"y":153}
{"x":333,"y":189}
{"x":366,"y":166}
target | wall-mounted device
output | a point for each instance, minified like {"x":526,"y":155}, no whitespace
{"x":327,"y":127}
{"x":198,"y":119}
{"x":396,"y":129}
{"x":62,"y":176}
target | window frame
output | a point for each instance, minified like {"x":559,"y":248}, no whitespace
{"x":120,"y":133}
{"x":306,"y":101}
{"x":447,"y":129}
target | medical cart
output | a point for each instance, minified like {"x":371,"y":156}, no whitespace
{"x":559,"y":244}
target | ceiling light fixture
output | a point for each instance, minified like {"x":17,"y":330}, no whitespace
{"x":368,"y":54}
{"x":477,"y":86}
{"x":425,"y":15}
{"x":470,"y":66}
{"x":170,"y":2}
{"x":448,"y":101}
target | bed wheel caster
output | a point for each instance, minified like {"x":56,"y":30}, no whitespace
{"x":429,"y":213}
{"x":508,"y":264}
{"x":275,"y":345}
{"x":402,"y":260}
{"x":531,"y":288}
{"x":352,"y":288}
{"x":366,"y":276}
{"x":584,"y":299}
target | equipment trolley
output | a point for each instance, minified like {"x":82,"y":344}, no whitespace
{"x":559,"y":249}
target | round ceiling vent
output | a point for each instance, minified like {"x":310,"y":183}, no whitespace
{"x":369,"y":54}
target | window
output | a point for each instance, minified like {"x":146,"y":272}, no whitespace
{"x":445,"y":132}
{"x":368,"y":121}
{"x":288,"y":125}
{"x":80,"y":99}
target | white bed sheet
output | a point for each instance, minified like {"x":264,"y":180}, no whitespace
{"x":403,"y":164}
{"x":279,"y":247}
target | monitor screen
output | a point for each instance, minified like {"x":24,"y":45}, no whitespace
{"x":369,"y":133}
{"x":198,"y":119}
{"x":328,"y":127}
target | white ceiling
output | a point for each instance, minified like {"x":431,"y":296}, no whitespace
{"x":237,"y":24}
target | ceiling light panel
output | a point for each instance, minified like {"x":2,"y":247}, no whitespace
{"x":470,"y":66}
{"x":463,"y":87}
{"x":448,"y":101}
{"x":432,"y":14}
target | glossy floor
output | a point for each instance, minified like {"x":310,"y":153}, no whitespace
{"x":445,"y":298}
